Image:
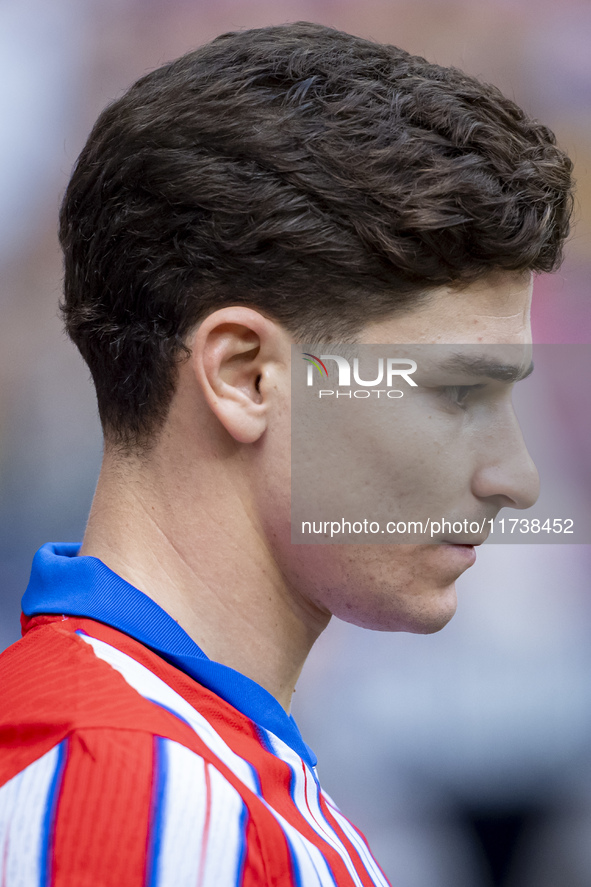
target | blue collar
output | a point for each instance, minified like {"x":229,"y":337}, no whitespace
{"x":83,"y":586}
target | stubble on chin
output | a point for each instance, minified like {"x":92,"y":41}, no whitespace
{"x":394,"y":588}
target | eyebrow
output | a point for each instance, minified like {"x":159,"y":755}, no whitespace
{"x":491,"y":369}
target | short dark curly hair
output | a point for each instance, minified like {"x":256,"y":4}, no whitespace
{"x":325,"y":179}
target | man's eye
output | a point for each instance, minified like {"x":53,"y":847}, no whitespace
{"x":458,"y":394}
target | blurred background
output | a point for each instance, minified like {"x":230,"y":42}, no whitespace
{"x":465,"y":756}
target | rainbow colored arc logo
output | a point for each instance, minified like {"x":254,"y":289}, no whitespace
{"x":315,"y":361}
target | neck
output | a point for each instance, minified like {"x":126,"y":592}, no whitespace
{"x":203,"y":560}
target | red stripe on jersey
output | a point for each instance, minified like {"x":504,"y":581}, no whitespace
{"x":206,"y":824}
{"x":101,"y":827}
{"x":269,"y":863}
{"x":5,"y":857}
{"x":354,"y":854}
{"x":338,"y":866}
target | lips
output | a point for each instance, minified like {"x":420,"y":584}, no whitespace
{"x":459,"y":544}
{"x":463,"y":551}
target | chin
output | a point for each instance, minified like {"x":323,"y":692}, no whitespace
{"x":431,"y":622}
{"x":418,"y":612}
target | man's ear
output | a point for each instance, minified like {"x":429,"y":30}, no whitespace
{"x":236,"y":354}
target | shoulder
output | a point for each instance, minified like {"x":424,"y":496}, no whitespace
{"x":117,"y":768}
{"x":52,"y":684}
{"x":103,"y":765}
{"x":114,"y":806}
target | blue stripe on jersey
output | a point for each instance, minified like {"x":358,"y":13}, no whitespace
{"x":264,"y":739}
{"x":170,"y":710}
{"x":242,"y":848}
{"x":302,"y":853}
{"x":50,"y":815}
{"x":295,"y":867}
{"x":157,"y":812}
{"x":258,"y":790}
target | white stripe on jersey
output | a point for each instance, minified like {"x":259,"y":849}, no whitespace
{"x":151,"y":687}
{"x":226,"y":845}
{"x":306,"y":795}
{"x":359,"y":844}
{"x":201,"y":823}
{"x":312,"y":869}
{"x":26,"y":805}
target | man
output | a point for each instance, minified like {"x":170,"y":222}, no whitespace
{"x":285,"y":185}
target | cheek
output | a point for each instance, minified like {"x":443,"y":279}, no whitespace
{"x":419,"y":474}
{"x":271,"y":477}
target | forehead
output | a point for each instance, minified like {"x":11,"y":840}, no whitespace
{"x":493,"y":310}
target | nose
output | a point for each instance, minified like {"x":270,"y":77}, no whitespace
{"x":506,"y":473}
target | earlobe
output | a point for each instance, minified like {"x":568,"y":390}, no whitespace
{"x":233,"y":354}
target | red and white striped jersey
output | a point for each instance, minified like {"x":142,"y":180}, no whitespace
{"x":118,"y":768}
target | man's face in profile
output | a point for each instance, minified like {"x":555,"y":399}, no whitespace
{"x":449,"y":465}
